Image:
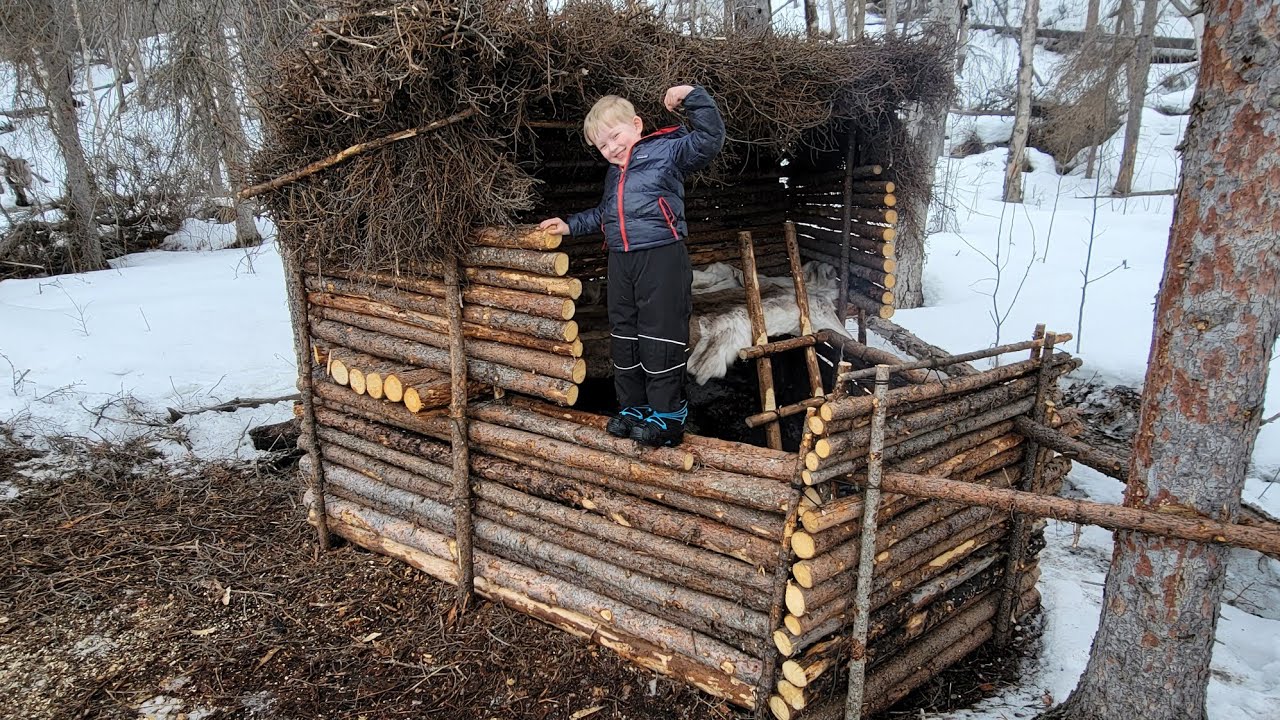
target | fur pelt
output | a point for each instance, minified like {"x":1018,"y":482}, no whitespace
{"x":720,"y":326}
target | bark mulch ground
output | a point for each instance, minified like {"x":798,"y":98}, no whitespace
{"x":132,"y":588}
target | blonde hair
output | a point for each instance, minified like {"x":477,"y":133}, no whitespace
{"x":608,"y":110}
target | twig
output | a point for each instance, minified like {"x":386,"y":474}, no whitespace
{"x":231,"y":406}
{"x":348,"y":153}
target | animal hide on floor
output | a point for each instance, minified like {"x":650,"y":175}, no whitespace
{"x":720,"y":326}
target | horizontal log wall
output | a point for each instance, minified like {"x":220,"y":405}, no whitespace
{"x":668,"y":556}
{"x":938,"y":566}
{"x":818,"y":209}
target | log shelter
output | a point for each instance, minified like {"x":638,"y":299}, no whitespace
{"x":441,"y":409}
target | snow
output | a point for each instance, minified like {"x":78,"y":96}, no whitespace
{"x":104,"y":354}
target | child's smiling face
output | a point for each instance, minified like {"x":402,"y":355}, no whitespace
{"x":615,"y":141}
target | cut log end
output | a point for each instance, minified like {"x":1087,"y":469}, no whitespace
{"x":792,"y":694}
{"x":817,"y":425}
{"x":812,"y":461}
{"x":795,"y":600}
{"x":891,"y":281}
{"x":779,"y":708}
{"x":567,"y":309}
{"x":570,"y":331}
{"x":823,"y":448}
{"x":889,"y":235}
{"x":803,"y":574}
{"x":890,"y":265}
{"x":784,"y":642}
{"x":579,"y":371}
{"x":357,"y":381}
{"x":561,"y":266}
{"x":793,"y":625}
{"x":891,"y":216}
{"x":803,"y":545}
{"x":793,"y":672}
{"x":339,"y":372}
{"x":374,"y":385}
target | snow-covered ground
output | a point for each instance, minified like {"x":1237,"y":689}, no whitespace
{"x":105,"y":354}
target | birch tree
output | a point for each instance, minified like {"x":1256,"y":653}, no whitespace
{"x":1140,"y":66}
{"x":1022,"y":112}
{"x":928,"y":133}
{"x":1217,"y":317}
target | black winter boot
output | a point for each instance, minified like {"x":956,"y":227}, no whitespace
{"x":662,"y":429}
{"x":622,"y":424}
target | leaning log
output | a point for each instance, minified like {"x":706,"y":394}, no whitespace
{"x":1112,"y":517}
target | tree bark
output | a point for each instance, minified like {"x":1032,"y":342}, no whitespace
{"x":1140,"y":65}
{"x":1022,"y":115}
{"x":928,"y":132}
{"x":56,"y":60}
{"x":229,"y":127}
{"x":751,"y":16}
{"x":1217,"y":317}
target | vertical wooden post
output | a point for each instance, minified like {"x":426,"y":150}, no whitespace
{"x":846,"y":220}
{"x":802,"y":305}
{"x":1032,"y":481}
{"x":296,"y":291}
{"x":862,"y":325}
{"x":759,"y":336}
{"x":458,"y":423}
{"x":867,"y":550}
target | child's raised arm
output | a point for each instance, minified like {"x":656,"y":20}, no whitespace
{"x":696,"y":150}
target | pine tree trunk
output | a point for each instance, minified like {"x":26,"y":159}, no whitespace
{"x":56,"y":70}
{"x":1091,"y":17}
{"x":1141,"y":64}
{"x":1217,"y":316}
{"x":1022,"y":114}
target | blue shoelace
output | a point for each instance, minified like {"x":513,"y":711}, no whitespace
{"x":639,"y":412}
{"x":660,"y":419}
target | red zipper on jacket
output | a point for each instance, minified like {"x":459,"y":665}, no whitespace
{"x":622,"y":180}
{"x":669,"y":216}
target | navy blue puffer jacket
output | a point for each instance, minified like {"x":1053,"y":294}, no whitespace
{"x":643,"y":203}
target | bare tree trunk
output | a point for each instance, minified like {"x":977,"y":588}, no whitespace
{"x":928,"y":131}
{"x":1141,"y":64}
{"x":890,"y":17}
{"x":1022,"y":114}
{"x":1091,"y":17}
{"x":231,"y":135}
{"x":831,"y":20}
{"x":811,"y":18}
{"x":55,"y":57}
{"x":1217,"y":316}
{"x":962,"y":47}
{"x":752,"y":16}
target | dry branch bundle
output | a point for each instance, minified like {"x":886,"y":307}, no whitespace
{"x":375,"y":69}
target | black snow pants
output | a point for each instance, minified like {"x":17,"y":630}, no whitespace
{"x":650,"y":301}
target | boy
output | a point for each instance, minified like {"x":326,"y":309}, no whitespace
{"x":642,"y":217}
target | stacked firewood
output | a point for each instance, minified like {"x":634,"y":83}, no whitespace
{"x":819,"y":202}
{"x":388,"y":335}
{"x":664,"y":555}
{"x":939,"y":566}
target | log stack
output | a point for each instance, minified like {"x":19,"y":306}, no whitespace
{"x":388,"y":334}
{"x":818,"y":202}
{"x":663,"y":554}
{"x":727,"y":566}
{"x":939,"y":567}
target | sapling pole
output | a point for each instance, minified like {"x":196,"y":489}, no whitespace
{"x":866,"y":554}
